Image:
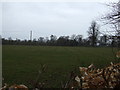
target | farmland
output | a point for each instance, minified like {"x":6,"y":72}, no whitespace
{"x":21,"y":64}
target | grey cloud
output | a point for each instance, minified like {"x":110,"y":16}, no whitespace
{"x":48,"y":18}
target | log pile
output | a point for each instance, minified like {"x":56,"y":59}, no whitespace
{"x":108,"y":77}
{"x":14,"y":87}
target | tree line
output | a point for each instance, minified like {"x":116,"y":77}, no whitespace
{"x":94,"y":39}
{"x":76,"y":40}
{"x":64,"y":41}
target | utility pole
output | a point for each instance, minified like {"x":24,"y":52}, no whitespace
{"x":31,"y":35}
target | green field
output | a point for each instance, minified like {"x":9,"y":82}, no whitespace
{"x":22,"y":63}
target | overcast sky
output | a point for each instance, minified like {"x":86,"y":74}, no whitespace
{"x":47,"y":18}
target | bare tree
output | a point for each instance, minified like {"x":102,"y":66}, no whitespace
{"x":73,"y":37}
{"x":53,"y":38}
{"x":93,"y":33}
{"x":113,"y":18}
{"x":41,"y":39}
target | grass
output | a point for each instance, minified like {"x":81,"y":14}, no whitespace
{"x":22,"y":63}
